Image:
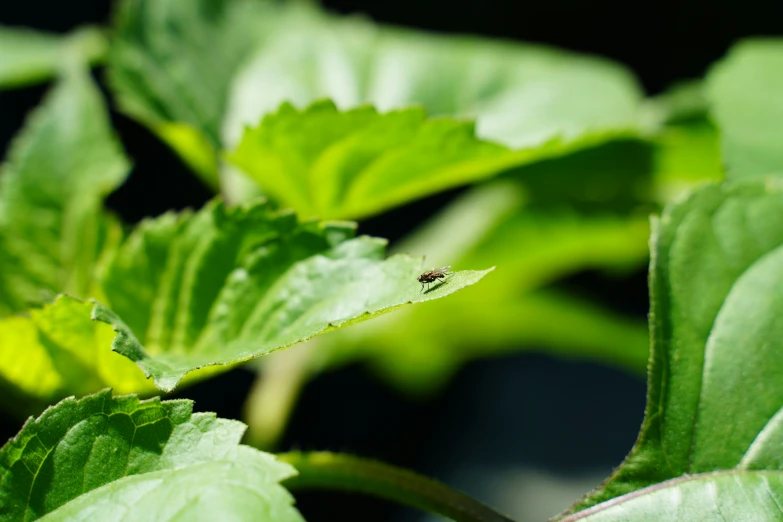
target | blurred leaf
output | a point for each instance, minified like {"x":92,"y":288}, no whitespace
{"x":59,"y":169}
{"x":227,"y":285}
{"x":543,"y":101}
{"x":176,"y":67}
{"x":714,"y":390}
{"x":28,"y":57}
{"x":117,"y":458}
{"x":64,"y":352}
{"x":420,"y":351}
{"x":682,"y":102}
{"x":687,"y":148}
{"x":535,"y":244}
{"x":733,"y":495}
{"x":333,"y":164}
{"x":613,"y":176}
{"x":520,"y":95}
{"x":744,"y":91}
{"x":687,"y":155}
{"x":171,"y":64}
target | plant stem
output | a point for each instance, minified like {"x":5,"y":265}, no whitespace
{"x":325,"y":470}
{"x":274,"y":393}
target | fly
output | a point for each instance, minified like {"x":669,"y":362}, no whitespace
{"x":431,"y":276}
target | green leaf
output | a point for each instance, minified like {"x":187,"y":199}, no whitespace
{"x":28,"y":57}
{"x":520,"y":95}
{"x":735,"y":495}
{"x":52,"y":224}
{"x":714,"y":391}
{"x":333,"y":164}
{"x":198,"y":75}
{"x":744,"y":93}
{"x":418,"y":349}
{"x":226,"y":285}
{"x":171,"y":65}
{"x":117,"y":458}
{"x":64,"y":353}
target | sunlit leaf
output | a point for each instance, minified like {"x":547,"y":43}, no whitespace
{"x":714,"y":391}
{"x":327,"y":163}
{"x":57,"y":350}
{"x":117,"y":458}
{"x":226,"y":285}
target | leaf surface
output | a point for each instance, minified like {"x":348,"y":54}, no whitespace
{"x":226,"y":285}
{"x":714,"y":396}
{"x":332,"y":164}
{"x":118,"y":458}
{"x":752,"y":496}
{"x":56,"y":350}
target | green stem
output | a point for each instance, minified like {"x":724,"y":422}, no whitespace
{"x":274,"y":393}
{"x":324,"y":470}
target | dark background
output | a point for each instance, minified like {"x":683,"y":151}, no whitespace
{"x":524,"y":410}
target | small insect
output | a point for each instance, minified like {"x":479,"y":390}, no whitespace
{"x":431,"y":276}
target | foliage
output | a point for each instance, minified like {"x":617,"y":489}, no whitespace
{"x":226,"y":285}
{"x":52,"y":225}
{"x":713,"y":398}
{"x":185,"y":291}
{"x":350,"y":164}
{"x":260,"y":55}
{"x":118,"y":458}
{"x":709,"y":445}
{"x":346,"y":119}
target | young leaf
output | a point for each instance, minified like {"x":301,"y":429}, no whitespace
{"x":171,"y":65}
{"x":744,"y":94}
{"x":226,"y":285}
{"x":28,"y":57}
{"x":332,"y":164}
{"x":714,"y":395}
{"x":52,"y":224}
{"x":117,"y":458}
